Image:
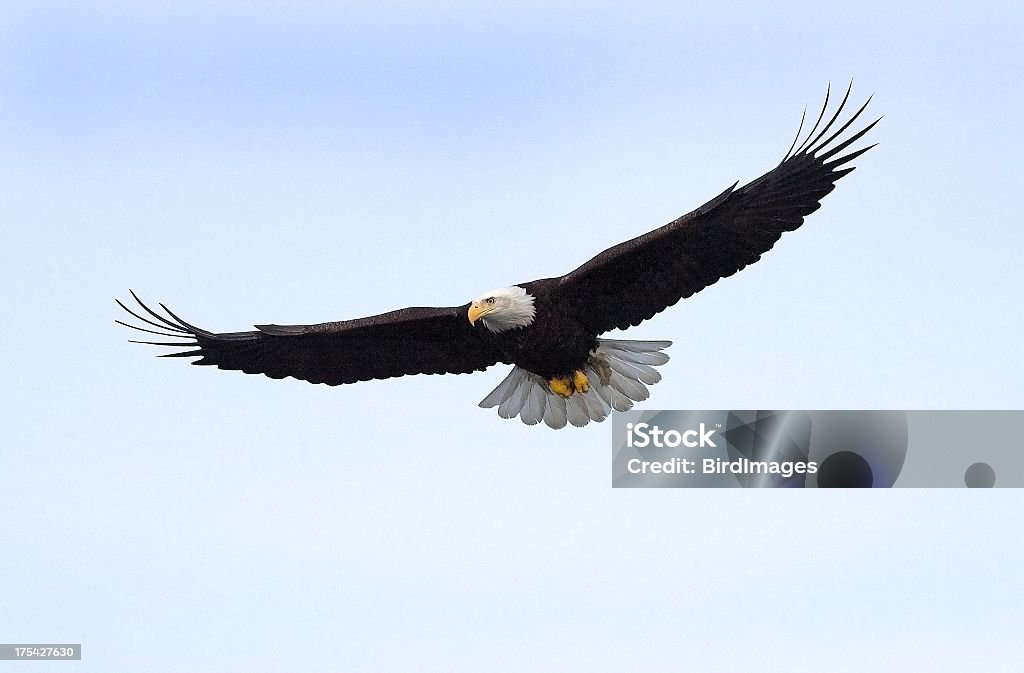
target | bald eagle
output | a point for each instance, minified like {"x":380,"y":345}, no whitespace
{"x":549,"y":329}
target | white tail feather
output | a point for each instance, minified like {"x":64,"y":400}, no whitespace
{"x":599,"y":409}
{"x":631,"y":388}
{"x":579,"y":414}
{"x":498,"y":394}
{"x":534,"y":411}
{"x":516,"y":395}
{"x":652,"y":359}
{"x":617,"y":371}
{"x":631,"y":370}
{"x":633,"y":346}
{"x":555,"y":415}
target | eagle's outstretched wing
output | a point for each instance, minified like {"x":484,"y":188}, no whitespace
{"x":632,"y":281}
{"x":407,"y":341}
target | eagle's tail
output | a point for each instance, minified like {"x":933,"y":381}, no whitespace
{"x":619,"y":373}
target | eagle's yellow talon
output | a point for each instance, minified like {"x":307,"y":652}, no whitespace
{"x":580,"y":381}
{"x":561,"y":386}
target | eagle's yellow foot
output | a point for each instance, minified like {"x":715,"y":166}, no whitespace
{"x":561,"y":386}
{"x":580,"y":381}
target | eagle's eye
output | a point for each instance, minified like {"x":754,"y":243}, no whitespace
{"x":490,"y":300}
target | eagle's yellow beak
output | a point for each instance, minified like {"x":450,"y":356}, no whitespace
{"x":475,"y":311}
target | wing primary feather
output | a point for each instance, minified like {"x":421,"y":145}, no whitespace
{"x":848,"y":157}
{"x":799,"y":130}
{"x":159,"y":343}
{"x":148,"y":322}
{"x":149,"y":331}
{"x":154,"y":313}
{"x":831,"y":121}
{"x":845,"y":126}
{"x":192,"y":328}
{"x":846,"y":143}
{"x":821,"y":115}
{"x":840,"y":173}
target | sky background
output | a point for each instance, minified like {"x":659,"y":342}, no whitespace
{"x":249,"y":163}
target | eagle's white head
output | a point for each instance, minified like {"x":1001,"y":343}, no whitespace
{"x":503,"y":309}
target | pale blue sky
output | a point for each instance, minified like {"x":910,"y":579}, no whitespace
{"x":247,"y":163}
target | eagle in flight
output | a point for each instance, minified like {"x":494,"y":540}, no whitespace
{"x":549,"y":329}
